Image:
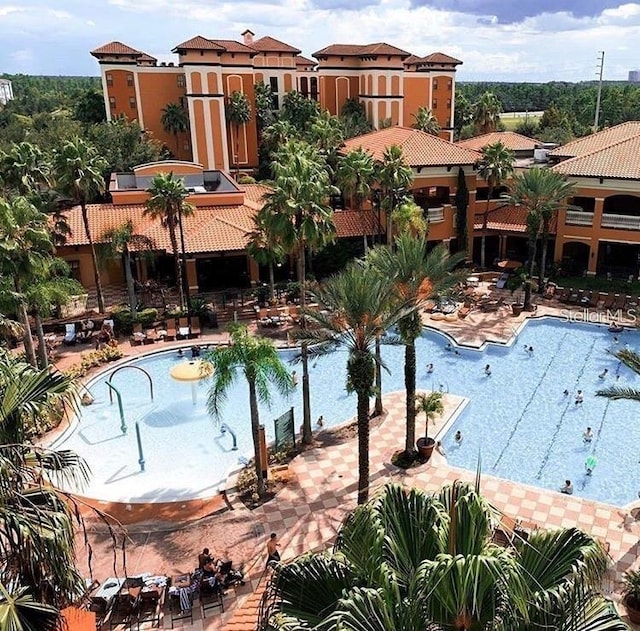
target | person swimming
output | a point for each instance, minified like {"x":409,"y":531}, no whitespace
{"x":579,"y":397}
{"x":587,"y":435}
{"x":429,"y":368}
{"x":320,"y":421}
{"x":487,"y":370}
{"x":565,"y":392}
{"x":458,"y":437}
{"x":603,"y":374}
{"x":590,"y":464}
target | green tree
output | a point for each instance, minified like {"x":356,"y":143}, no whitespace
{"x":356,"y":174}
{"x":430,"y":404}
{"x":354,"y":118}
{"x":495,"y":166}
{"x":258,"y":360}
{"x":486,"y":113}
{"x":89,"y":107}
{"x":78,"y":170}
{"x":631,"y":359}
{"x":298,"y":110}
{"x":265,"y":247}
{"x":263,"y":105}
{"x":238,"y":114}
{"x":175,"y":121}
{"x":413,"y":561}
{"x":425,"y":120}
{"x":24,"y":168}
{"x":463,"y":113}
{"x":417,"y":275}
{"x":462,"y":204}
{"x":119,"y":243}
{"x":356,"y":311}
{"x":326,"y":133}
{"x":408,"y":217}
{"x":541,"y":193}
{"x":167,"y":202}
{"x":395,"y":178}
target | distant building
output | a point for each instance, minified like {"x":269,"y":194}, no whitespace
{"x":6,"y":91}
{"x":634,"y":76}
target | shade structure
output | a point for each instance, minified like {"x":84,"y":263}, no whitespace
{"x":509,"y":264}
{"x":192,"y":372}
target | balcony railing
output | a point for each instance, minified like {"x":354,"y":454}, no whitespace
{"x":434,"y":215}
{"x":624,"y":222}
{"x":579,"y":218}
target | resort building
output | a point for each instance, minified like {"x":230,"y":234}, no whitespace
{"x":391,"y":83}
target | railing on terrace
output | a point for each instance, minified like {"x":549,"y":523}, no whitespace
{"x":434,"y":215}
{"x":625,"y":222}
{"x":579,"y":218}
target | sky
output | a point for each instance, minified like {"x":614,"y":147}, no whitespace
{"x":498,"y":40}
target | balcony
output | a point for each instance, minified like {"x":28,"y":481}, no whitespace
{"x":579,"y":218}
{"x":435,"y":215}
{"x":623,"y":222}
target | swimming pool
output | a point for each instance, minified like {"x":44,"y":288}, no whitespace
{"x":517,"y":421}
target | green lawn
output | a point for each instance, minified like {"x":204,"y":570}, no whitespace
{"x":511,"y":123}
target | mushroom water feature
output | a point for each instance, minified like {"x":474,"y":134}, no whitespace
{"x":192,"y":372}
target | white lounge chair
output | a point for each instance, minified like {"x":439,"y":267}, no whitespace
{"x":70,"y":333}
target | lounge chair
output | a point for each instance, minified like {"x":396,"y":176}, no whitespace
{"x":151,"y":336}
{"x":171,"y":330}
{"x":194,"y":325}
{"x":573,"y":297}
{"x":609,"y":300}
{"x":620,"y":302}
{"x":564,"y":294}
{"x":70,"y":334}
{"x":464,"y":311}
{"x":602,"y":297}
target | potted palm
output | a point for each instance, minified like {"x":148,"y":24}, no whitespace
{"x":432,"y":406}
{"x":631,"y":594}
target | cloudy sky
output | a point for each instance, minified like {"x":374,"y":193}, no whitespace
{"x":503,"y":40}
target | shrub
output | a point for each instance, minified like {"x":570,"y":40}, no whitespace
{"x":246,"y":179}
{"x":93,"y":359}
{"x":124,"y":320}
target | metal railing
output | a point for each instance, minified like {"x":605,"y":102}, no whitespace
{"x":625,"y":222}
{"x":434,"y":215}
{"x":579,"y":218}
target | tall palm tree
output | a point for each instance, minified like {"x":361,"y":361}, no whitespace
{"x":265,"y":247}
{"x":417,"y":275}
{"x":298,"y":210}
{"x":414,"y":561}
{"x":425,"y":120}
{"x":395,"y":178}
{"x":25,"y":248}
{"x":78,"y":173}
{"x":238,"y":114}
{"x":409,"y":217}
{"x":486,"y":113}
{"x":36,"y":521}
{"x":430,"y":404}
{"x":167,"y":202}
{"x":540,"y":192}
{"x":495,"y":166}
{"x":175,"y":121}
{"x":631,"y":359}
{"x":326,"y":133}
{"x":357,"y":308}
{"x":356,"y":174}
{"x":120,"y":242}
{"x":257,"y":359}
{"x":24,"y":168}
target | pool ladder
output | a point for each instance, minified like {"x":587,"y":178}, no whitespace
{"x":224,"y":428}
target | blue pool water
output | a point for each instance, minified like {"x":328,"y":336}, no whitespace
{"x":518,"y":422}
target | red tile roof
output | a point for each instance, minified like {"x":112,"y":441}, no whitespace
{"x":356,"y":223}
{"x":511,"y":140}
{"x":145,"y":57}
{"x":272,"y":45}
{"x":231,"y":46}
{"x":508,"y":219}
{"x":440,"y":59}
{"x":599,"y":140}
{"x":198,"y":43}
{"x":305,"y":61}
{"x":619,"y":161}
{"x":419,"y":148}
{"x":115,"y":48}
{"x":356,"y":50}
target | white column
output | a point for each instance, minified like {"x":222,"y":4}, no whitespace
{"x":136,"y":85}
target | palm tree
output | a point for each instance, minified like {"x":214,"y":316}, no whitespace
{"x":25,"y":248}
{"x":414,"y":561}
{"x":356,"y":311}
{"x":540,"y":192}
{"x":395,"y":178}
{"x":326,"y":133}
{"x":417,"y":275}
{"x":430,"y":404}
{"x":495,"y":166}
{"x":356,"y":174}
{"x":36,"y":521}
{"x":24,"y":168}
{"x":486,"y":113}
{"x":258,"y":360}
{"x":167,"y":195}
{"x":299,"y":212}
{"x":119,"y":242}
{"x":79,"y":174}
{"x":631,"y":360}
{"x":238,"y":114}
{"x":175,"y":120}
{"x":265,"y":248}
{"x":426,"y":121}
{"x":409,"y":217}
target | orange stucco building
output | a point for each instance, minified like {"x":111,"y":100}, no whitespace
{"x":391,"y":83}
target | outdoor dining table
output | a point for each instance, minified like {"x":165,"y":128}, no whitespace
{"x":109,"y":589}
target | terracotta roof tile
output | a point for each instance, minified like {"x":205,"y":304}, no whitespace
{"x":411,"y":59}
{"x":440,"y":58}
{"x":231,"y":46}
{"x":419,"y":148}
{"x":198,"y":43}
{"x":145,"y":57}
{"x":356,"y":223}
{"x":272,"y":45}
{"x":508,"y":219}
{"x":254,"y":194}
{"x":599,"y":140}
{"x":245,"y":616}
{"x":511,"y":140}
{"x":620,"y":161}
{"x":357,"y":50}
{"x":115,"y":48}
{"x":305,"y":61}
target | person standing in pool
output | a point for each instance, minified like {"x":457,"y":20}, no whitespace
{"x":458,"y":437}
{"x":487,"y":370}
{"x":567,"y":489}
{"x":429,"y":368}
{"x":579,"y":397}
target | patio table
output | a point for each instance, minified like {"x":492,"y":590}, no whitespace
{"x":109,"y":589}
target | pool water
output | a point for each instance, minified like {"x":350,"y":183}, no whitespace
{"x":518,"y":422}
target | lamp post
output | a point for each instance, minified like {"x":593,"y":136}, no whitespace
{"x":183,"y":256}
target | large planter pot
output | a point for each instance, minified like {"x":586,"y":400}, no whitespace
{"x":633,"y":609}
{"x":425,"y":447}
{"x":516,"y":310}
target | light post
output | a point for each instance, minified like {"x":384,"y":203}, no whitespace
{"x":183,"y":256}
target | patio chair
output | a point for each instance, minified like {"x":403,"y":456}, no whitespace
{"x":150,"y":608}
{"x":101,"y":607}
{"x":151,"y":336}
{"x":171,"y":330}
{"x":181,"y":605}
{"x":211,"y":597}
{"x":564,"y":294}
{"x":70,"y":334}
{"x":573,"y":297}
{"x":194,"y":325}
{"x":609,"y":300}
{"x":183,"y":322}
{"x":602,"y":298}
{"x":619,"y":302}
{"x":122,"y":612}
{"x":594,"y":299}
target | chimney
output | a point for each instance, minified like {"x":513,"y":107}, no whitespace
{"x":247,"y":37}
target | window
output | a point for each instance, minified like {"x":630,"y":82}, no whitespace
{"x":273,"y":83}
{"x":435,"y":84}
{"x":275,"y":102}
{"x":132,"y":102}
{"x":304,"y":86}
{"x":183,"y":102}
{"x":434,"y":105}
{"x":314,"y":88}
{"x":181,"y":81}
{"x":74,"y":267}
{"x":112,"y":102}
{"x":130,"y":80}
{"x":109,"y":79}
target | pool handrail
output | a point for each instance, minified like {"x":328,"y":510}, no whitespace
{"x":142,"y":370}
{"x":123,"y":423}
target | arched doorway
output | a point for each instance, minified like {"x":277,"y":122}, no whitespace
{"x":575,"y":257}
